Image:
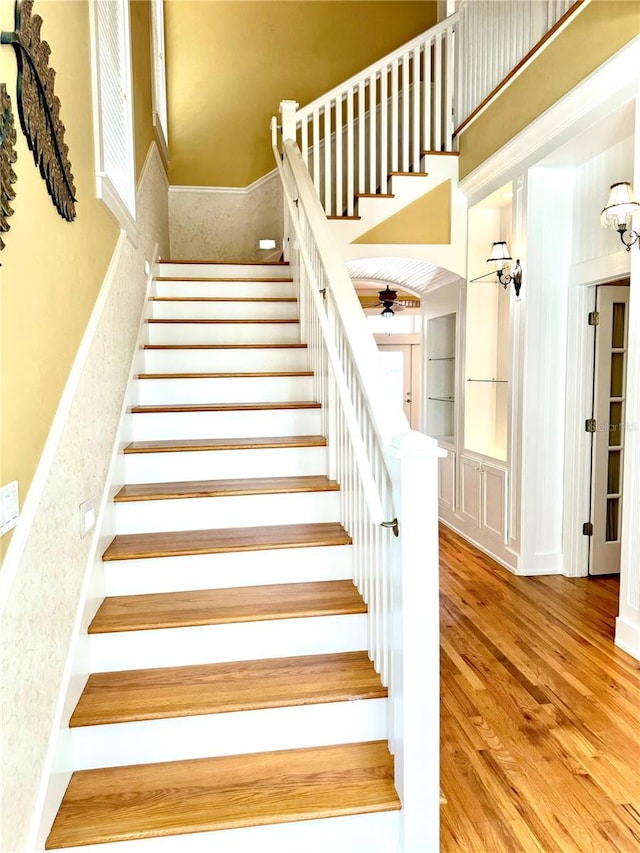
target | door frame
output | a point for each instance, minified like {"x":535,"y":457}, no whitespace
{"x":578,"y":407}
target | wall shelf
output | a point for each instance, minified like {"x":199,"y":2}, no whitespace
{"x":441,"y":375}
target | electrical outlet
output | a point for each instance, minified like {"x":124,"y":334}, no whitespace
{"x":8,"y":507}
{"x":87,"y":516}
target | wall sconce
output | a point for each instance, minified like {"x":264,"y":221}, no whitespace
{"x":501,"y":260}
{"x":618,"y":212}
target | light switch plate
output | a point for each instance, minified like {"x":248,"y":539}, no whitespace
{"x":8,"y":507}
{"x":87,"y":516}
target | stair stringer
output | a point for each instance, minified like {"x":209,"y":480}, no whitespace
{"x":407,"y":189}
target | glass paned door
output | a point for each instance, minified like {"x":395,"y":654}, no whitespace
{"x":608,"y":438}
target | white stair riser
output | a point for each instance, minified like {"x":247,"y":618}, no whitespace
{"x":235,"y":511}
{"x":230,"y":271}
{"x":226,"y":289}
{"x":271,"y":389}
{"x":223,"y":310}
{"x":276,"y":638}
{"x":363,"y":833}
{"x":224,"y":333}
{"x":222,"y":571}
{"x":225,"y":360}
{"x":157,"y":426}
{"x":235,"y":733}
{"x":224,"y":464}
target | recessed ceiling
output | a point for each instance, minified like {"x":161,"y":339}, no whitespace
{"x":414,"y":276}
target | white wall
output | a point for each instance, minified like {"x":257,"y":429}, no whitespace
{"x":47,"y":564}
{"x":222,"y":223}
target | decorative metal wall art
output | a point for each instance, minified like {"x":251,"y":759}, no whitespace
{"x":8,"y":157}
{"x":39,"y":108}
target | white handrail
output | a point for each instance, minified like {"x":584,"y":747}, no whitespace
{"x":376,"y":67}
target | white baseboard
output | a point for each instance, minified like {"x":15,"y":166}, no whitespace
{"x":628,"y":636}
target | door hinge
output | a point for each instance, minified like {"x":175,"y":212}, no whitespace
{"x":594,"y":318}
{"x":587,"y":529}
{"x":590,"y":425}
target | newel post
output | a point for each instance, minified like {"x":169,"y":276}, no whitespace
{"x":415,"y":689}
{"x":288,"y":110}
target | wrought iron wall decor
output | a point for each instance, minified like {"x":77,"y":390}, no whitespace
{"x":39,"y":108}
{"x":8,"y":157}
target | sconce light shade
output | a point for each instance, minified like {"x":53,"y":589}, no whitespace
{"x":499,"y":255}
{"x":619,"y":210}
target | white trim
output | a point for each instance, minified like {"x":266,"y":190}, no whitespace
{"x":178,"y":188}
{"x":53,"y":783}
{"x":160,"y":137}
{"x":30,"y":506}
{"x":523,"y":67}
{"x":628,"y":637}
{"x":607,"y":88}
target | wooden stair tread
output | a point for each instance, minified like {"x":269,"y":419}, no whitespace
{"x":225,"y":488}
{"x":375,"y":195}
{"x":168,"y":798}
{"x":263,"y":374}
{"x":135,"y":546}
{"x":223,"y":346}
{"x":440,"y":153}
{"x":409,"y":174}
{"x":259,"y":321}
{"x":201,"y":444}
{"x":222,"y":278}
{"x":223,"y":299}
{"x":223,"y":606}
{"x":223,"y":688}
{"x":335,"y":216}
{"x":225,"y":407}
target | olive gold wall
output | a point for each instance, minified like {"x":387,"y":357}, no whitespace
{"x":230,"y":63}
{"x":144,"y":133}
{"x":595,"y":35}
{"x":51,"y":269}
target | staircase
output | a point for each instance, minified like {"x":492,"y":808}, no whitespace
{"x":231,"y":699}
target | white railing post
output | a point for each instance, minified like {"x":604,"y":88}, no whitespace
{"x":288,"y":110}
{"x":415,"y":686}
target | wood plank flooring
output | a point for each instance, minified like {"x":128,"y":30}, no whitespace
{"x":221,"y":688}
{"x":224,"y":606}
{"x":117,"y":804}
{"x":200,"y":444}
{"x":540,"y":712}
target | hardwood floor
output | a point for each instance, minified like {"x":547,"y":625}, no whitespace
{"x":540,"y":715}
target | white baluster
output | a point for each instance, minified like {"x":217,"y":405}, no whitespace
{"x":405,"y":112}
{"x":373,"y":119}
{"x":384,"y":129}
{"x":350,"y":155}
{"x":395,"y":126}
{"x":339,"y":201}
{"x":449,"y":90}
{"x":362,"y":121}
{"x":316,"y":149}
{"x":304,"y":140}
{"x":426,"y":97}
{"x":437,"y":94}
{"x":415,"y":111}
{"x":328,"y":176}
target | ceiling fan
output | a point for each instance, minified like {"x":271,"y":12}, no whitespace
{"x":388,"y":299}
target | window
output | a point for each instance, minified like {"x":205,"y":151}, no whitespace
{"x":159,"y":77}
{"x":115,"y":159}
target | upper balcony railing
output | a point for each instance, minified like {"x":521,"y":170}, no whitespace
{"x":381,"y":120}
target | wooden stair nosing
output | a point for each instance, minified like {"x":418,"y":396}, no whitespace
{"x":440,"y":153}
{"x":224,"y":688}
{"x":375,"y":195}
{"x":408,"y":174}
{"x":186,"y":489}
{"x":335,"y":216}
{"x":273,"y":374}
{"x":221,"y":346}
{"x":137,"y":546}
{"x":196,"y":321}
{"x":197,"y":444}
{"x":216,"y":299}
{"x":150,"y":611}
{"x":224,"y":407}
{"x":225,"y":263}
{"x":230,"y":279}
{"x":199,"y":795}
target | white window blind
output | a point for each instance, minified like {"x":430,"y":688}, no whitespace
{"x":115,"y":168}
{"x":158,"y":71}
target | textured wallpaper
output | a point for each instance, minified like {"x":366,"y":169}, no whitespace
{"x":218,"y":226}
{"x":37,"y":622}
